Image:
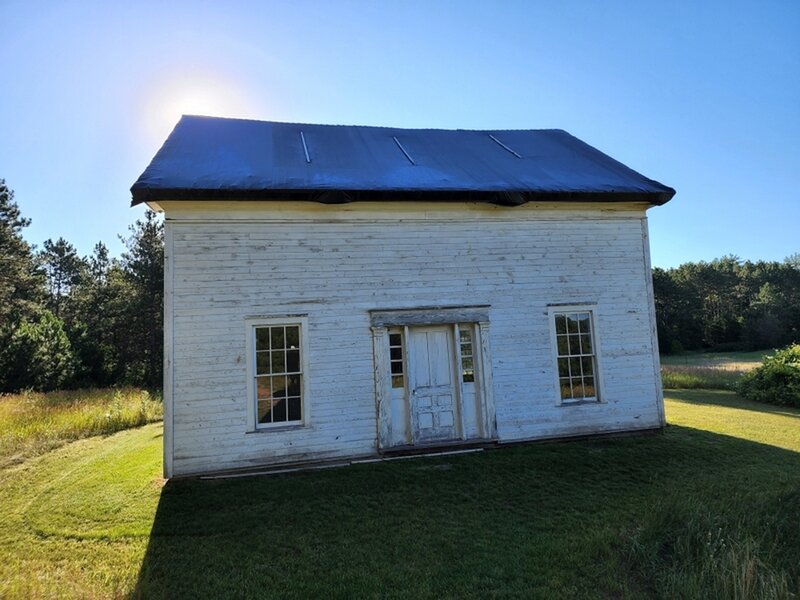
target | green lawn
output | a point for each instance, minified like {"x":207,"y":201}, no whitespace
{"x":708,"y":508}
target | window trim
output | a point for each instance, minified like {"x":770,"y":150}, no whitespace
{"x":251,"y":323}
{"x":552,"y":311}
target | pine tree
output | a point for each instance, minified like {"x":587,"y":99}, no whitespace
{"x":21,"y":290}
{"x":143,"y":269}
{"x":34,"y":351}
{"x":64,"y":269}
{"x":98,"y":321}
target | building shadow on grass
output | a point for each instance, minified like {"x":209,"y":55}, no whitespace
{"x":728,"y":399}
{"x":474,"y":528}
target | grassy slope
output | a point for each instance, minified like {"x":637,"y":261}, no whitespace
{"x":75,"y":522}
{"x":34,"y":423}
{"x":562,"y":519}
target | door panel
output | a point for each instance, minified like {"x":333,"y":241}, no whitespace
{"x":433,"y":397}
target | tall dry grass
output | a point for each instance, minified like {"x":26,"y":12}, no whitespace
{"x":693,"y":377}
{"x":717,"y":371}
{"x":32,"y":423}
{"x":742,"y":551}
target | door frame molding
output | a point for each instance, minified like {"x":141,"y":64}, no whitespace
{"x":429,"y":315}
{"x":381,"y":320}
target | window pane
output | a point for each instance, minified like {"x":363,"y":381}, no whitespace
{"x":588,"y":387}
{"x":395,"y":339}
{"x":465,"y":335}
{"x":563,"y":367}
{"x":265,"y":411}
{"x":566,"y":389}
{"x":577,"y":389}
{"x":572,"y":323}
{"x":466,"y":363}
{"x":279,"y":386}
{"x":466,"y":349}
{"x":563,"y":346}
{"x":262,"y":338}
{"x":586,"y":344}
{"x":397,"y":368}
{"x":276,"y":336}
{"x":278,"y":361}
{"x":574,"y":344}
{"x":292,"y":361}
{"x":279,"y":411}
{"x":561,"y":324}
{"x":263,"y":388}
{"x":396,"y":353}
{"x":588,"y":366}
{"x":293,"y":336}
{"x":265,"y":399}
{"x":397,"y":381}
{"x":294,"y":385}
{"x":469,"y":377}
{"x":583,"y":320}
{"x":294,"y":409}
{"x":262,"y":363}
{"x":575,"y":367}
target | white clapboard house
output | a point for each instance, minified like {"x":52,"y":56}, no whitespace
{"x":339,"y":292}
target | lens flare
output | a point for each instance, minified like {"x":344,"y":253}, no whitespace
{"x":212,"y":96}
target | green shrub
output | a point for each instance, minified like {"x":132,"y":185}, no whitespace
{"x":777,"y":381}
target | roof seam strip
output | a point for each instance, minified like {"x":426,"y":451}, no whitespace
{"x":504,"y":146}
{"x":305,"y":147}
{"x":403,"y":150}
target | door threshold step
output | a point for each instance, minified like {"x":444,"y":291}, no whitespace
{"x":438,"y":447}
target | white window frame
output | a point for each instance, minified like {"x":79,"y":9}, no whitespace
{"x":251,"y":323}
{"x":402,"y":360}
{"x":552,"y":311}
{"x":460,"y":356}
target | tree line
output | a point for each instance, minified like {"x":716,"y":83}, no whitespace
{"x":79,"y":321}
{"x":728,"y":304}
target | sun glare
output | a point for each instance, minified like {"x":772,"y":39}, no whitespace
{"x":213,"y":97}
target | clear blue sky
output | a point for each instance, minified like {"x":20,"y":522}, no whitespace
{"x":702,"y":96}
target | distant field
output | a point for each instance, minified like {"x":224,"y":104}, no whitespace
{"x":709,"y":508}
{"x":708,"y":370}
{"x":725,"y":360}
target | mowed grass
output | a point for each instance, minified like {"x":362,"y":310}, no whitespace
{"x":710,"y":508}
{"x":721,"y":412}
{"x":34,"y":423}
{"x":708,"y":370}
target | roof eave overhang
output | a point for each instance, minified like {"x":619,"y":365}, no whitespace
{"x":501,"y":198}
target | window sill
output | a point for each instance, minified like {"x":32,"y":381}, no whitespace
{"x":579,"y":402}
{"x":278,"y":429}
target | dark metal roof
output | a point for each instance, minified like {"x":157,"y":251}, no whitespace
{"x":207,"y":158}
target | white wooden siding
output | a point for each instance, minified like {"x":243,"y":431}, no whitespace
{"x":232,"y":261}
